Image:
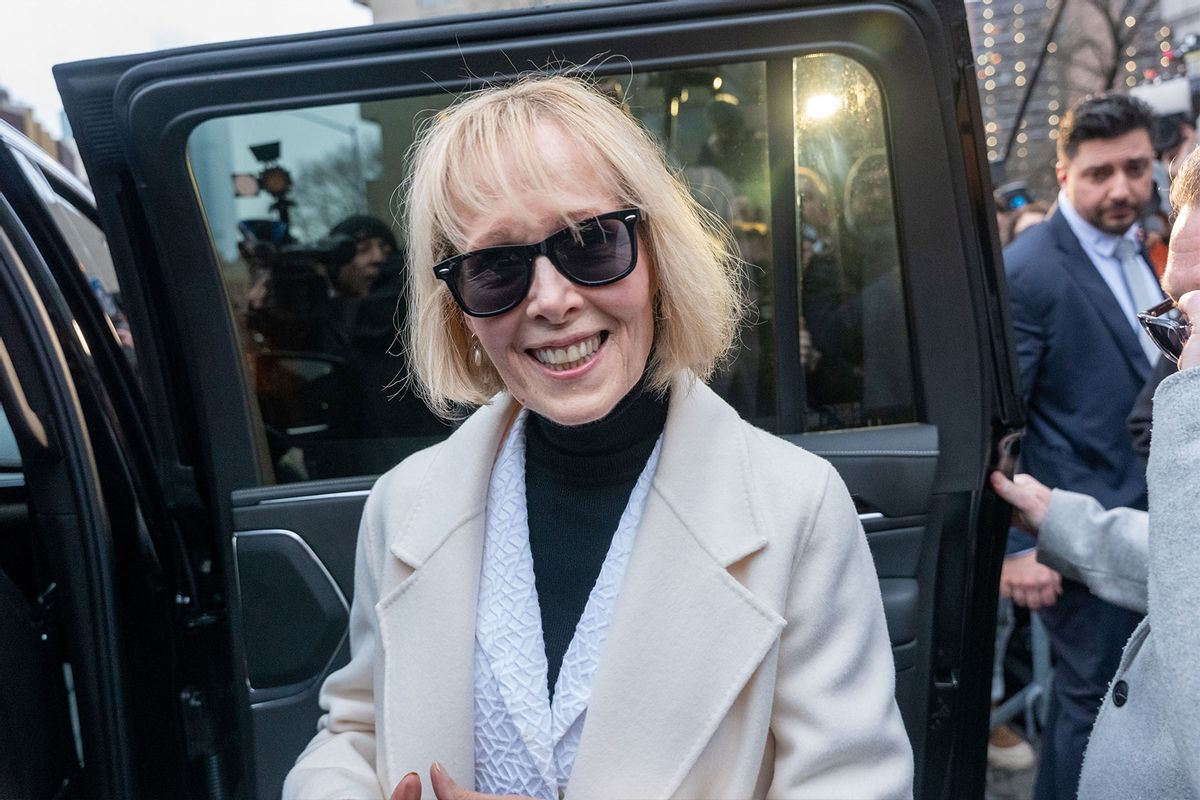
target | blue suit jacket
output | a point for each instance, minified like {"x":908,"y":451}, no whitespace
{"x":1081,"y":370}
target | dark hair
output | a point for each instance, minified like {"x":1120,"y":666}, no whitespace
{"x":1104,"y":117}
{"x":363,"y":226}
{"x":1008,"y":228}
{"x":1168,"y":133}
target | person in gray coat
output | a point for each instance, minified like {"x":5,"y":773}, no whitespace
{"x":1146,"y":740}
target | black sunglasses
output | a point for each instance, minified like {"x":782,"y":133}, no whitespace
{"x":597,"y":251}
{"x":1167,"y":328}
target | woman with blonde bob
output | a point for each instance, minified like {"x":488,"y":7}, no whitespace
{"x":604,"y":583}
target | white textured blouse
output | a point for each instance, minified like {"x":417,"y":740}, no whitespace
{"x":524,"y":743}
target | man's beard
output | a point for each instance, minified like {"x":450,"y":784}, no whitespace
{"x":1097,"y":218}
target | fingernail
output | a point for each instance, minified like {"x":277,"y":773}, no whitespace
{"x":437,"y":768}
{"x":411,"y":772}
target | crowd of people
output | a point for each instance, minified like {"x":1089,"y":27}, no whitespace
{"x":1102,"y":352}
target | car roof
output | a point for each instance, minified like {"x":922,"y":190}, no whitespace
{"x":57,"y":172}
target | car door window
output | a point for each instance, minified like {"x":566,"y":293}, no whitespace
{"x":854,"y":331}
{"x":317,"y":300}
{"x":88,"y":246}
{"x":10,"y":457}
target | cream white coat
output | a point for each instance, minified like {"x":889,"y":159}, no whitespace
{"x":747,"y":655}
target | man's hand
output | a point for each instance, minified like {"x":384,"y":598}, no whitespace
{"x":444,"y":788}
{"x":1029,"y":583}
{"x":1027,"y":495}
{"x":1189,"y":304}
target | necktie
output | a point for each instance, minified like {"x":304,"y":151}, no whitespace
{"x":1134,"y":269}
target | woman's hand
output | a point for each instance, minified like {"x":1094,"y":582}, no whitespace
{"x":444,"y":788}
{"x":1189,"y":304}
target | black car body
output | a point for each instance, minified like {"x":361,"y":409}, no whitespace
{"x":179,"y":526}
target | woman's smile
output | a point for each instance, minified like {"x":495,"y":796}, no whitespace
{"x":571,"y":357}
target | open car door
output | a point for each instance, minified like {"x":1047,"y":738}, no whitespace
{"x":838,"y":140}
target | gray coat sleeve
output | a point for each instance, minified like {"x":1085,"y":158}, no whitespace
{"x":1174,"y":480}
{"x":1107,"y":551}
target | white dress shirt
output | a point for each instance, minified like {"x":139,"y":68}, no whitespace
{"x":1101,"y":249}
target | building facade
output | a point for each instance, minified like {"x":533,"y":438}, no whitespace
{"x":1036,"y":59}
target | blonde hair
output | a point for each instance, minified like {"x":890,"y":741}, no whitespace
{"x":482,"y":152}
{"x":1185,"y":189}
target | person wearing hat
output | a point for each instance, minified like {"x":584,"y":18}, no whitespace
{"x":375,"y":245}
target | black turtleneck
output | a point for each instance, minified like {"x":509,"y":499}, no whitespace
{"x":577,"y":484}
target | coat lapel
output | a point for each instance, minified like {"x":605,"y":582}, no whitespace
{"x":685,"y":635}
{"x":427,"y":620}
{"x":1080,"y":267}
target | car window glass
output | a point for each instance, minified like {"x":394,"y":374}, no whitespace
{"x":10,"y":456}
{"x":307,"y":248}
{"x":854,"y":332}
{"x":89,"y":246}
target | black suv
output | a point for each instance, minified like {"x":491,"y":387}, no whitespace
{"x":199,"y":401}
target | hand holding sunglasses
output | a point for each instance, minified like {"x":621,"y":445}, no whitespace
{"x":595,"y":252}
{"x":1168,"y":327}
{"x":1189,"y":304}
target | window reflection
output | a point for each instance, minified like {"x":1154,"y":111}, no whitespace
{"x":712,"y":121}
{"x":854,"y":333}
{"x":315,"y":274}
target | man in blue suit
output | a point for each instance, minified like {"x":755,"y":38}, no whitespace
{"x":1076,"y":283}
